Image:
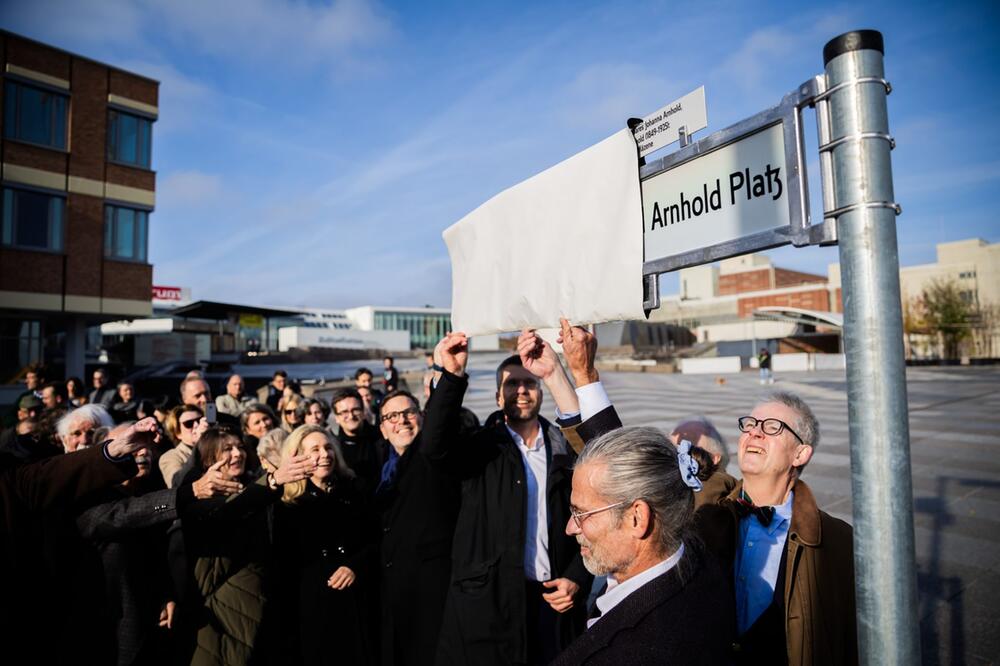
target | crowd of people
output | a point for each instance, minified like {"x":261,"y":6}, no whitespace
{"x":370,"y":528}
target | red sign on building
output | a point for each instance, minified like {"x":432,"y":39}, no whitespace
{"x":167,"y":293}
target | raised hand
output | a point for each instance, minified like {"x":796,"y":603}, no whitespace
{"x":294,"y":469}
{"x":216,"y":482}
{"x":129,"y":439}
{"x":537,"y":356}
{"x":452,"y":353}
{"x":579,"y":347}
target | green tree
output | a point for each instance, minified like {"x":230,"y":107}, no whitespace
{"x":943,"y":310}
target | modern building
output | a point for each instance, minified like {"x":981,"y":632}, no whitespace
{"x":425,"y":325}
{"x":78,"y":190}
{"x":744,"y":303}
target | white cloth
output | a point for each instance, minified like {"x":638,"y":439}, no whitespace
{"x":536,"y":532}
{"x":564,"y":243}
{"x":593,"y":398}
{"x":616,"y":592}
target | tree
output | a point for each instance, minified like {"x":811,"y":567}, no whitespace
{"x":943,"y":310}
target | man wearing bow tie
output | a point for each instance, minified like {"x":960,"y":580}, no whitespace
{"x":792,"y":564}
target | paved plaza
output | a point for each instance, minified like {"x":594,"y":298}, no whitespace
{"x":955,"y":452}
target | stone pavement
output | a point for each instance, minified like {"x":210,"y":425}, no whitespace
{"x":955,"y":456}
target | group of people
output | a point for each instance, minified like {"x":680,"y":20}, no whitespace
{"x":369,"y":529}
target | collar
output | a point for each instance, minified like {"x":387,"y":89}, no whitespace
{"x":805,"y":522}
{"x":539,"y":443}
{"x":616,"y":592}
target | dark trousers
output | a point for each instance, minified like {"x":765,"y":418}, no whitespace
{"x":542,"y":625}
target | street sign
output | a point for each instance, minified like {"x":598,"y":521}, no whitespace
{"x":660,"y":128}
{"x":734,"y":191}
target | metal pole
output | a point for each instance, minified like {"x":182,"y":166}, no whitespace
{"x":888,"y":632}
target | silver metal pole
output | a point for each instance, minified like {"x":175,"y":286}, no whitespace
{"x":888,"y":632}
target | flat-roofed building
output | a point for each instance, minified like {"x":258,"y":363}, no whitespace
{"x":78,"y":190}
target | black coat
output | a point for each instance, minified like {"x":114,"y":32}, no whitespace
{"x":418,"y":520}
{"x":681,"y":617}
{"x":312,"y":539}
{"x":485,"y":616}
{"x":364,"y":453}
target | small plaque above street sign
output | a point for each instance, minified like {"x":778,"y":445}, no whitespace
{"x":660,"y":128}
{"x":733,"y":192}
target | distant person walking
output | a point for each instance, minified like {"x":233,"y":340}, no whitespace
{"x":764,"y":361}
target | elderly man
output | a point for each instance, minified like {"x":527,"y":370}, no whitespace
{"x":518,"y":585}
{"x":76,"y":428}
{"x":234,"y":402}
{"x":792,"y":564}
{"x":195,"y":391}
{"x":666,"y":600}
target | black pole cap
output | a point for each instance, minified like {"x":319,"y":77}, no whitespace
{"x":856,"y":40}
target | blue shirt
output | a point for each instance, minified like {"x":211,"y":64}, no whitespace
{"x":758,"y":558}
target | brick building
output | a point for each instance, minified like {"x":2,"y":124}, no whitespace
{"x":78,"y":190}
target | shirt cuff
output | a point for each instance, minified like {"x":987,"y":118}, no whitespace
{"x":566,"y":420}
{"x":593,"y":399}
{"x":107,"y":455}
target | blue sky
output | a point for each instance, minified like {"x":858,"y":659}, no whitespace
{"x":311,"y":153}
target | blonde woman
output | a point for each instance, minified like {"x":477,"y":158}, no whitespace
{"x":291,"y":417}
{"x":325,"y":542}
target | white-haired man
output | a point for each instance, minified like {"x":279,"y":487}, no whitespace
{"x":76,"y":428}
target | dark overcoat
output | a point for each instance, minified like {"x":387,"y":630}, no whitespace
{"x":417,"y":517}
{"x":485,"y":613}
{"x":684,"y":616}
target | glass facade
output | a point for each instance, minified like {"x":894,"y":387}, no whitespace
{"x":125,"y":231}
{"x":129,"y":138}
{"x":32,"y":220}
{"x":35,"y":115}
{"x":425,"y":328}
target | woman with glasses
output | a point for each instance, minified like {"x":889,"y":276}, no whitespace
{"x":185,"y":425}
{"x":290,"y":416}
{"x":325,"y":545}
{"x":227,"y":551}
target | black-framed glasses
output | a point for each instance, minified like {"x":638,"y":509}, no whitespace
{"x":578,"y":518}
{"x":767,"y":426}
{"x":397,"y":417}
{"x":190,"y":423}
{"x":289,"y":412}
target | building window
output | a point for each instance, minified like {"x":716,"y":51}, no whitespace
{"x":34,"y":114}
{"x":33,"y":220}
{"x":129,"y":138}
{"x":125,"y":233}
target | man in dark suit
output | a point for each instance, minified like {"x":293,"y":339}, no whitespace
{"x":666,"y":601}
{"x":518,"y":584}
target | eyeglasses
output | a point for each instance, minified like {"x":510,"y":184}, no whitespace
{"x":289,"y":412}
{"x":357,"y":411}
{"x":578,"y":518}
{"x":190,"y":423}
{"x":767,"y":426}
{"x":397,"y":417}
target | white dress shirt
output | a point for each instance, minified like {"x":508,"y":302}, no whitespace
{"x":536,"y":533}
{"x":616,"y":592}
{"x":593,"y":398}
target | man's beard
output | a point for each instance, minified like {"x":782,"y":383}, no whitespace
{"x":598,"y":563}
{"x":513,"y":415}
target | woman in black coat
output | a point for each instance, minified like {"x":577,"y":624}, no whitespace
{"x":326,"y":543}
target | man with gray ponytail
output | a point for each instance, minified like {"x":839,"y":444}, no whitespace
{"x":632,"y":507}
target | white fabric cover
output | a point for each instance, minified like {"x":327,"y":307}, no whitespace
{"x":564,"y":243}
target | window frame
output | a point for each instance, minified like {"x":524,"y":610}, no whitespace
{"x":112,"y":242}
{"x":21,"y":82}
{"x":116,"y":137}
{"x":14,"y":245}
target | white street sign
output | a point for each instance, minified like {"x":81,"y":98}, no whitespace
{"x":659,"y":128}
{"x":729,"y":193}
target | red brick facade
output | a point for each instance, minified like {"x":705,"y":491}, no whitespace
{"x":786,"y":278}
{"x":81,"y":269}
{"x":740,"y":283}
{"x":813,"y":299}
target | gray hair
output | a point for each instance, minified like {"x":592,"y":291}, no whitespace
{"x":806,"y":426}
{"x":92,"y":412}
{"x":269,"y":447}
{"x":712,"y":440}
{"x":641,"y":463}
